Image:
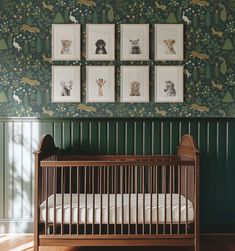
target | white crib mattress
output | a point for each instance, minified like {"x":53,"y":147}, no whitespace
{"x":176,"y":209}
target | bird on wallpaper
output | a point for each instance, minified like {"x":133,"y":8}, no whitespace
{"x":48,"y":6}
{"x":16,"y":45}
{"x":16,"y":98}
{"x":186,"y":19}
{"x":72,"y":18}
{"x":188,"y":74}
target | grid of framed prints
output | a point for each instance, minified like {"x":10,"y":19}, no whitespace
{"x":134,"y":46}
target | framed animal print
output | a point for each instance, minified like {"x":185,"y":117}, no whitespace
{"x":100,"y":83}
{"x":66,"y":42}
{"x":100,"y":43}
{"x":169,"y":84}
{"x":169,"y":42}
{"x":66,"y":85}
{"x":134,"y":84}
{"x":134,"y":42}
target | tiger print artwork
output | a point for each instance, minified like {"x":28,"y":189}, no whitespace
{"x":66,"y":46}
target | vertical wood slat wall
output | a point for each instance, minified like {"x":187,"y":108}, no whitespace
{"x":215,"y":138}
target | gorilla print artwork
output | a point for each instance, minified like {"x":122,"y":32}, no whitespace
{"x":100,"y":47}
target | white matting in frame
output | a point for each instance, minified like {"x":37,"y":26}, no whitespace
{"x":169,"y":42}
{"x":66,"y":84}
{"x":134,"y":42}
{"x":100,"y":83}
{"x":169,"y":84}
{"x":100,"y":42}
{"x":134,"y":84}
{"x":66,"y":42}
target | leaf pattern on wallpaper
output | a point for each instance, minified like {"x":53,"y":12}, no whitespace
{"x":25,"y":55}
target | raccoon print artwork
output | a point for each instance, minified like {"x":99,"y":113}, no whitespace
{"x":66,"y":46}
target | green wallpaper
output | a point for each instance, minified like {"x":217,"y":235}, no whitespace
{"x":26,"y":72}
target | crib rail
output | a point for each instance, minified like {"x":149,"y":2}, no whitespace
{"x":117,"y":198}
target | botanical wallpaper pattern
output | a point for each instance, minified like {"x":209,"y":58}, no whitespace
{"x":25,"y":56}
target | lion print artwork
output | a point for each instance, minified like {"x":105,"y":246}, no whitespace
{"x":135,"y":88}
{"x":66,"y":46}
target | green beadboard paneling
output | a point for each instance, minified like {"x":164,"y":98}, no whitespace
{"x":215,"y":138}
{"x":210,"y":83}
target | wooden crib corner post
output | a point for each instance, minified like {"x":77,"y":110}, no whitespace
{"x":188,"y":150}
{"x":46,"y":148}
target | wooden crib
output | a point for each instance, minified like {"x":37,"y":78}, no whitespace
{"x":116,"y":200}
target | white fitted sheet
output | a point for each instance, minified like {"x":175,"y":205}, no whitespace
{"x":97,"y":209}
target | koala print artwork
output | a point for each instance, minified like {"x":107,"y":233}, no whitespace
{"x":169,"y":46}
{"x":66,"y":87}
{"x":170,"y":89}
{"x":100,"y":47}
{"x":135,"y":88}
{"x":135,"y":48}
{"x":66,"y":46}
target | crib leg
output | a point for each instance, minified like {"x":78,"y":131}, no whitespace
{"x":197,"y":244}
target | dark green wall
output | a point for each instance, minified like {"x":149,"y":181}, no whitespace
{"x":215,"y":138}
{"x":29,"y":62}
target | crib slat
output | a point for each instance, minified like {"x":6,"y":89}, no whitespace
{"x":46,"y":183}
{"x":108,"y":206}
{"x":179,"y":192}
{"x":100,"y":176}
{"x":129,"y":199}
{"x":136,"y":194}
{"x":171,"y":204}
{"x":122,"y":191}
{"x":93,"y":196}
{"x":78,"y":199}
{"x":165,"y":198}
{"x":70,"y":200}
{"x":186,"y":195}
{"x":115,"y":202}
{"x":143,"y":191}
{"x":54,"y":191}
{"x":62,"y":192}
{"x":85,"y":191}
{"x":151,"y":199}
{"x":157,"y":214}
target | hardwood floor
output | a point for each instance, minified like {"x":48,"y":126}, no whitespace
{"x":212,"y":242}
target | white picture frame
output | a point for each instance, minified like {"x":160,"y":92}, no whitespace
{"x":66,"y":84}
{"x":169,"y":84}
{"x":169,"y":42}
{"x":134,"y":42}
{"x":100,"y":84}
{"x":134,"y":84}
{"x":100,"y":42}
{"x":66,"y":42}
